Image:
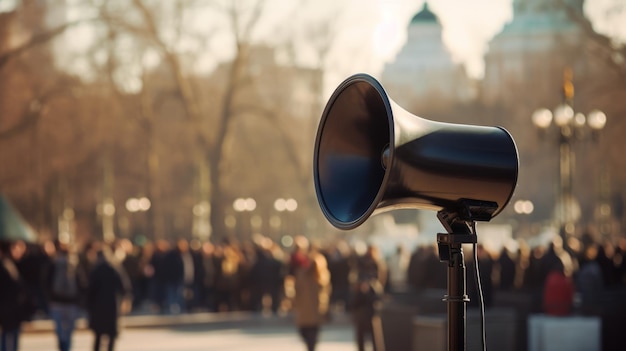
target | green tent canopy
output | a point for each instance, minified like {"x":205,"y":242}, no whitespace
{"x":12,"y":225}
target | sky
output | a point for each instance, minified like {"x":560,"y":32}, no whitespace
{"x":467,"y":27}
{"x":368,"y":33}
{"x":378,"y":27}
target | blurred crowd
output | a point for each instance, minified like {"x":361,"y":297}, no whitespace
{"x":184,"y":276}
{"x":562,"y":277}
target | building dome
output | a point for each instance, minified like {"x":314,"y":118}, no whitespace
{"x":425,"y":15}
{"x":423,"y":68}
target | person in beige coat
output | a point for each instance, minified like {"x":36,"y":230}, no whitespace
{"x":312,"y":291}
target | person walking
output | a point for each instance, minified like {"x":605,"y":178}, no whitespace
{"x":107,"y":296}
{"x":558,"y":292}
{"x":227,"y":261}
{"x":174,"y":273}
{"x":397,"y":265}
{"x":366,"y":299}
{"x":16,"y":304}
{"x":312,"y":291}
{"x":65,"y":286}
{"x":340,"y":265}
{"x":364,"y":306}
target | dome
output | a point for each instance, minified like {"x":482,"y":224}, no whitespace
{"x":425,"y":15}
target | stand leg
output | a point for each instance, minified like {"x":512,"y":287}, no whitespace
{"x":456,"y":298}
{"x":461,"y":230}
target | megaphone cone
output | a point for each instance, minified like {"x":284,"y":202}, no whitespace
{"x":371,"y":155}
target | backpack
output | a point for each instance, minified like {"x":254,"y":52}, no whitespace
{"x":64,"y":283}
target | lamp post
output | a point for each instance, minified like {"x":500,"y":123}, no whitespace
{"x":524,"y":208}
{"x":138,"y":204}
{"x":201,"y":228}
{"x":141,"y":204}
{"x":107,"y":211}
{"x":570,"y":125}
{"x":67,"y":225}
{"x":286,"y":205}
{"x":241,"y":205}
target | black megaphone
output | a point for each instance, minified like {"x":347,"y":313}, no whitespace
{"x":371,"y":156}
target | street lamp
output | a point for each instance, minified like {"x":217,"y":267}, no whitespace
{"x":570,"y":125}
{"x":201,"y":228}
{"x":136,"y":205}
{"x":141,"y":204}
{"x":67,"y":225}
{"x":523,"y":207}
{"x":289,"y":205}
{"x":108,"y":212}
{"x":241,"y":205}
{"x":286,"y":205}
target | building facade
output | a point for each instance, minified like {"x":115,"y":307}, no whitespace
{"x":424,"y":69}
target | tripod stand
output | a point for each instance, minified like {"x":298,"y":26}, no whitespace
{"x":460,"y":226}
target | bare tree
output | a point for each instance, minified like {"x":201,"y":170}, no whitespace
{"x":160,"y":124}
{"x":212,"y":124}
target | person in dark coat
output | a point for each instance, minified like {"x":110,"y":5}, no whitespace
{"x":365,"y":301}
{"x":364,"y":305}
{"x":174,"y":277}
{"x":31,"y":266}
{"x":266,"y":277}
{"x":131,"y":263}
{"x":507,"y":270}
{"x":16,"y":304}
{"x":340,"y":266}
{"x":106,"y":297}
{"x":64,"y":286}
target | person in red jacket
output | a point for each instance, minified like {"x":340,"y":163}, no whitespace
{"x":558,"y":292}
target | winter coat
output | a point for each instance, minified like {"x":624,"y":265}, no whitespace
{"x":63,"y":263}
{"x":16,"y":303}
{"x":558,"y":294}
{"x":312,"y":292}
{"x":107,"y":287}
{"x":365,"y":301}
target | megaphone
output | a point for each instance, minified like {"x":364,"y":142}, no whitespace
{"x":371,"y":156}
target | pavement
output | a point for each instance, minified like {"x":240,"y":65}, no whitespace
{"x":203,"y":337}
{"x":215,"y":319}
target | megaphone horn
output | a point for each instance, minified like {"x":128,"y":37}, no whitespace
{"x":371,"y":156}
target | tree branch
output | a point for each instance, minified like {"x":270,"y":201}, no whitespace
{"x":613,"y":54}
{"x":38,"y":39}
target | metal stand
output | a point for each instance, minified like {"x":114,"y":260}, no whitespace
{"x":459,"y":226}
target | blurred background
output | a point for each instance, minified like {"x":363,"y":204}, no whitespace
{"x":193,"y":119}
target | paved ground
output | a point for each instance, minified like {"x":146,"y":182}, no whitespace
{"x":268,"y":337}
{"x":148,"y":321}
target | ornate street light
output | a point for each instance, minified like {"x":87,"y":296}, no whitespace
{"x":570,"y":124}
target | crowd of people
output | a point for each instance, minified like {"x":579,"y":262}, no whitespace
{"x":562,"y":277}
{"x":56,"y":282}
{"x":101,"y":281}
{"x":311,"y":280}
